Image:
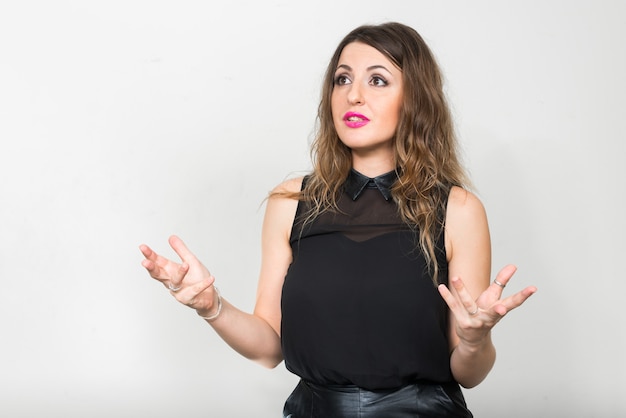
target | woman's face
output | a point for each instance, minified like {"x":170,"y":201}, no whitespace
{"x":366,"y":99}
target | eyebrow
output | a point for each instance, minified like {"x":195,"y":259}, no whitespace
{"x":370,"y":68}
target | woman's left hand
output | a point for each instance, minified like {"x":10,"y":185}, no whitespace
{"x":475,"y":318}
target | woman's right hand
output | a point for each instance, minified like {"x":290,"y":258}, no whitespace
{"x":190,"y":282}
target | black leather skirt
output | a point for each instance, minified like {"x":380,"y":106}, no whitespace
{"x":422,"y":400}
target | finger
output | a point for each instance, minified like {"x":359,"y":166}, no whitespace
{"x":464,"y":296}
{"x":504,"y":275}
{"x":177,"y":278}
{"x":447,"y":297}
{"x":155,"y":264}
{"x":147,"y":252}
{"x":152,"y":260}
{"x":518,"y":299}
{"x":180,"y":248}
{"x":151,"y":266}
{"x":148,"y":265}
{"x":452,"y":301}
{"x":499,"y":309}
{"x":189,"y":295}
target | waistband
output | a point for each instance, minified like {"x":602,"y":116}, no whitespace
{"x":312,"y":400}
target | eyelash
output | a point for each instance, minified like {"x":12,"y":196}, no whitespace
{"x":379,"y":78}
{"x":376,"y":81}
{"x":340,"y":80}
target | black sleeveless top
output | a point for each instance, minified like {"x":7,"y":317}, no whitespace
{"x":359,"y":306}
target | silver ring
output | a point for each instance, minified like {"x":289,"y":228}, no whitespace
{"x":498,"y":283}
{"x":475,"y":311}
{"x":172,"y":288}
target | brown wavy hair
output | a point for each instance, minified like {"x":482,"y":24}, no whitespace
{"x":425,"y":145}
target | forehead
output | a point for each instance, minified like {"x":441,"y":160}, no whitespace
{"x":358,"y":54}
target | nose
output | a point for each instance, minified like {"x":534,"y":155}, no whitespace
{"x":355,"y":95}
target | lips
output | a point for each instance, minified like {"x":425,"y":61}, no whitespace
{"x":355,"y":120}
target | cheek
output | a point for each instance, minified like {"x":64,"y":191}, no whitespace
{"x":334,"y":103}
{"x":335,"y":111}
{"x":397,"y":114}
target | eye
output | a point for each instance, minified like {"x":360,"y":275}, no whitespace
{"x":341,"y":80}
{"x":378,"y":81}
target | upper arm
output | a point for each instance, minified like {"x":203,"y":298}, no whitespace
{"x":276,"y":253}
{"x":468,"y":245}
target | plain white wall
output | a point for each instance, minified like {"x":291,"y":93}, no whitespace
{"x":123,"y":122}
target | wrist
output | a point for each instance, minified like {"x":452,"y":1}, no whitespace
{"x":212,"y":316}
{"x":473,"y":347}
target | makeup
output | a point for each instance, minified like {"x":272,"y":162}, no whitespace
{"x":355,"y":120}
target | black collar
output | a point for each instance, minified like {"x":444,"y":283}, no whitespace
{"x":357,"y":182}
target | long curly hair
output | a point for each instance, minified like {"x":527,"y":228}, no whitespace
{"x":425,"y":145}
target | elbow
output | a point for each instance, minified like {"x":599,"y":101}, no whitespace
{"x":270,"y":362}
{"x":471,"y":379}
{"x":470,"y":384}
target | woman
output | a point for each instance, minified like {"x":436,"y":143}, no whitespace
{"x":375,"y":276}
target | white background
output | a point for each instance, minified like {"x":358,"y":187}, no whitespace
{"x":123,"y":122}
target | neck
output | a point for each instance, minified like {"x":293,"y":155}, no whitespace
{"x":372,"y":166}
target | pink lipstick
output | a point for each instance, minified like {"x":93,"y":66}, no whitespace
{"x":355,"y":120}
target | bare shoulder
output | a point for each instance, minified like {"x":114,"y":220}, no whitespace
{"x":288,"y":186}
{"x":466,"y":221}
{"x":282,"y":205}
{"x":280,"y":213}
{"x":463,"y":205}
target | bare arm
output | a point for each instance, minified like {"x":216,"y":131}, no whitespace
{"x":257,"y":335}
{"x":474,"y":303}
